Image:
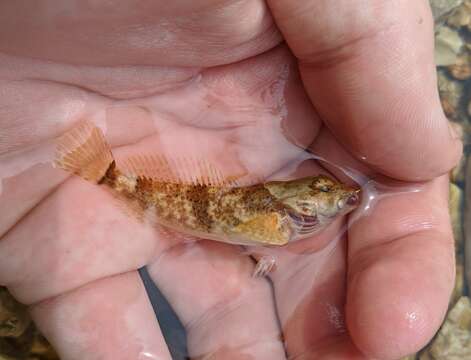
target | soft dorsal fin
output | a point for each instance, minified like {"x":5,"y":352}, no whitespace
{"x":148,"y":166}
{"x":179,"y":170}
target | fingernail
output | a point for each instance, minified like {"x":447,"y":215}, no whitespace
{"x":456,"y":131}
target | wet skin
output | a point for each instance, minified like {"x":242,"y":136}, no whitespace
{"x":210,"y":77}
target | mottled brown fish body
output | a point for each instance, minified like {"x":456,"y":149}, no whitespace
{"x":243,"y":215}
{"x":208,"y":205}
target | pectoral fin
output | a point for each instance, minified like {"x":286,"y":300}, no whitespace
{"x":267,"y":229}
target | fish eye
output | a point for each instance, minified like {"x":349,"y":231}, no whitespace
{"x":324,"y":188}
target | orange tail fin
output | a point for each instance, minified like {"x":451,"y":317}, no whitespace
{"x":84,"y":151}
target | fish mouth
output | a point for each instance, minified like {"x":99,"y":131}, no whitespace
{"x":303,"y":224}
{"x":354,"y":198}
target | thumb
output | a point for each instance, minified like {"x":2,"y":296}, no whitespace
{"x":368,"y":69}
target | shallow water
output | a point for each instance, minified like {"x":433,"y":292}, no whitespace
{"x":64,"y":236}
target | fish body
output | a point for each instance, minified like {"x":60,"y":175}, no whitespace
{"x":210,"y":205}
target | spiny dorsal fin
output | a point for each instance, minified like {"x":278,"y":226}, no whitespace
{"x":180,"y":170}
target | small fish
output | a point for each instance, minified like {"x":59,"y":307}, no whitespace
{"x":208,"y":205}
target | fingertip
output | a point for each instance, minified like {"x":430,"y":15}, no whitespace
{"x":109,"y":318}
{"x":414,"y":142}
{"x":391,"y":314}
{"x":425,"y":148}
{"x":422,"y":165}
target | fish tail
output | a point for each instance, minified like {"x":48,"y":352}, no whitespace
{"x":84,"y":151}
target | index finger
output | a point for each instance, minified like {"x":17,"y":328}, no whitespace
{"x":368,"y":69}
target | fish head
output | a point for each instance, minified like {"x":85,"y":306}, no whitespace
{"x":313,"y":202}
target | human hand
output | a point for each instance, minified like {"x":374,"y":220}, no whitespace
{"x":72,"y":254}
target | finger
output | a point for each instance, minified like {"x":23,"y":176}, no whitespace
{"x":369,"y":71}
{"x":401,"y":272}
{"x":310,"y":295}
{"x":309,"y":286}
{"x":339,"y":348}
{"x":219,"y":32}
{"x":339,"y":161}
{"x":75,"y":236}
{"x":226,"y":312}
{"x":110,"y":318}
{"x":25,"y":175}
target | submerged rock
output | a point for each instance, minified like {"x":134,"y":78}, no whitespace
{"x":442,"y":7}
{"x":6,"y":357}
{"x":410,"y":357}
{"x":461,"y":16}
{"x":450,"y":95}
{"x":42,"y":349}
{"x":459,"y":282}
{"x":455,"y":204}
{"x":424,"y":355}
{"x":448,"y":44}
{"x":467,"y":226}
{"x":19,"y":339}
{"x":457,"y":174}
{"x":453,"y":341}
{"x":461,"y":69}
{"x":16,"y":348}
{"x":14,"y":318}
